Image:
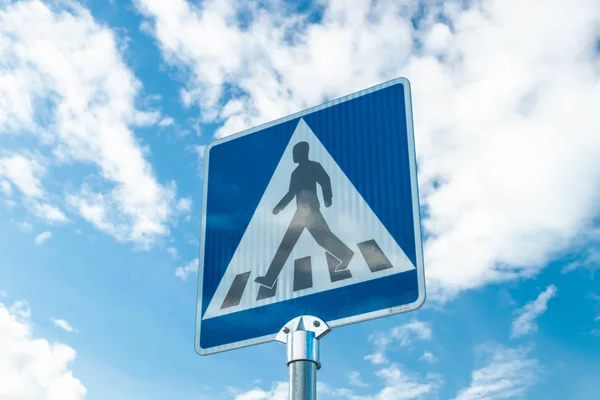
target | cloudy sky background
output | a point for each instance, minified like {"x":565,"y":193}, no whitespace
{"x":105,"y":109}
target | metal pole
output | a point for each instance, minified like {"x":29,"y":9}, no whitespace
{"x":303,"y":380}
{"x":302,"y":336}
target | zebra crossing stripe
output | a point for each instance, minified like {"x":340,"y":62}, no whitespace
{"x":234,"y":295}
{"x":302,"y":274}
{"x":374,"y":256}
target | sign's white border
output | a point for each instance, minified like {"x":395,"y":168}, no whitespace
{"x":416,"y":213}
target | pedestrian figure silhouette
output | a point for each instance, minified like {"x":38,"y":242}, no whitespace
{"x":303,"y":186}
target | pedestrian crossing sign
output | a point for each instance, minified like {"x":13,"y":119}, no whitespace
{"x":313,"y":214}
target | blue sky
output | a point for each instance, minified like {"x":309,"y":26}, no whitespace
{"x":105,"y":109}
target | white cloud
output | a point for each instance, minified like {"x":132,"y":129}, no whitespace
{"x":508,"y":375}
{"x":278,"y":392}
{"x":48,"y":212}
{"x":146,"y":118}
{"x":167,"y":121}
{"x":268,"y":73}
{"x":42,"y":237}
{"x":326,"y":390}
{"x":20,"y":309}
{"x":378,"y":357}
{"x":404,"y":335}
{"x":23,"y":171}
{"x":429,"y":357}
{"x":488,"y":90}
{"x":589,"y":260}
{"x":355,"y":380}
{"x":416,"y":330}
{"x":31,"y":367}
{"x":186,"y":270}
{"x":398,"y":384}
{"x":401,"y":385}
{"x":525,"y":322}
{"x":25,"y":226}
{"x":200,"y":151}
{"x":5,"y":187}
{"x":184,"y":205}
{"x":197,"y":127}
{"x":64,"y":325}
{"x":172,"y":251}
{"x":9,"y":203}
{"x":64,"y":79}
{"x":103,"y":212}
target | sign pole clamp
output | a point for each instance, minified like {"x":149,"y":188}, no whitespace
{"x":302,"y":335}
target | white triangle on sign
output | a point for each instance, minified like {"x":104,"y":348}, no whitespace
{"x":349,"y":218}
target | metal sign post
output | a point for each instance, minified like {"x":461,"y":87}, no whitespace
{"x":302,"y":335}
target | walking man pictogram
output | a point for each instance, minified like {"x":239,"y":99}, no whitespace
{"x":303,"y":186}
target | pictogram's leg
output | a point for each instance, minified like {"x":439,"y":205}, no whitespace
{"x":320,"y":231}
{"x":283,"y":252}
{"x":336,"y":275}
{"x":265,"y":292}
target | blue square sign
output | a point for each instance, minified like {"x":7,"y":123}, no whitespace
{"x":313,"y":214}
